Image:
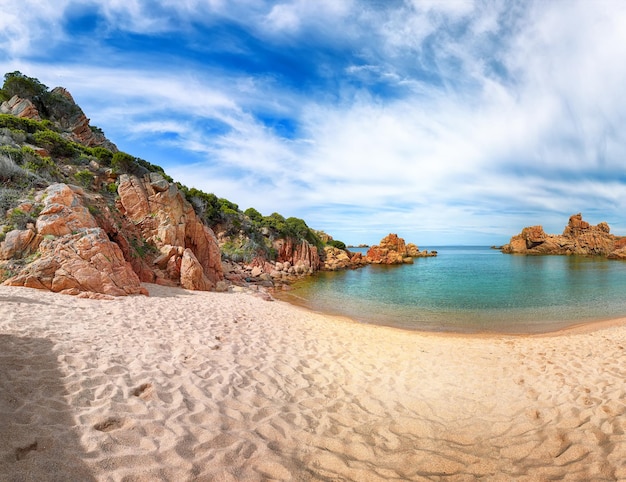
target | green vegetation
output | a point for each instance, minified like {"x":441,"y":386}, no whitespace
{"x":141,"y":248}
{"x":21,"y":124}
{"x":103,"y":155}
{"x":85,"y":178}
{"x":19,"y":218}
{"x":337,"y":244}
{"x":16,"y":83}
{"x":55,"y":144}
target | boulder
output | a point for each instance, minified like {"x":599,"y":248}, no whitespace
{"x":336,"y":259}
{"x":192,"y":276}
{"x":19,"y":243}
{"x":85,"y":262}
{"x":74,"y":254}
{"x":412,"y":250}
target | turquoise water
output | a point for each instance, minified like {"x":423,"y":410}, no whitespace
{"x":473,"y":289}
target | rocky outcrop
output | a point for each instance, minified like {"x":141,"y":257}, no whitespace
{"x":74,"y":121}
{"x":72,"y":254}
{"x":20,"y":108}
{"x":414,"y":252}
{"x":579,"y":238}
{"x":168,"y":223}
{"x":80,"y":246}
{"x":61,"y":109}
{"x":298,"y":254}
{"x":393,"y":250}
{"x":336,"y":259}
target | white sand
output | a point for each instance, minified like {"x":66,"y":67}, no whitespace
{"x":228,"y":387}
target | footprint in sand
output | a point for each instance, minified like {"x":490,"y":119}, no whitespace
{"x":109,"y":424}
{"x":21,"y":452}
{"x":144,"y":391}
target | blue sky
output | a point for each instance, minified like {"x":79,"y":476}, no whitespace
{"x":447,"y":122}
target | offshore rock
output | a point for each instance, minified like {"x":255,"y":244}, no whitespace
{"x":390,"y":250}
{"x":579,"y":237}
{"x":393,"y":250}
{"x":336,"y":259}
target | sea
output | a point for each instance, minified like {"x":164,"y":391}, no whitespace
{"x":472,"y":289}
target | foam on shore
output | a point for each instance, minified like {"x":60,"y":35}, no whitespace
{"x":206,"y":386}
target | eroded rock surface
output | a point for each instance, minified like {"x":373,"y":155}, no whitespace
{"x":579,"y":238}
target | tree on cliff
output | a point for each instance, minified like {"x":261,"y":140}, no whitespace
{"x":16,"y":83}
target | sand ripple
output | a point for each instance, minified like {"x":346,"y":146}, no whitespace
{"x":228,"y":387}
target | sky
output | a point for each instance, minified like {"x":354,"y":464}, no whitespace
{"x":446,"y":122}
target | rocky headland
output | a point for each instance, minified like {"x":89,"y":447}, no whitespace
{"x":80,"y":217}
{"x":578,"y":238}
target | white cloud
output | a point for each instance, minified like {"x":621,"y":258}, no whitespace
{"x":485,"y":148}
{"x":23,"y":22}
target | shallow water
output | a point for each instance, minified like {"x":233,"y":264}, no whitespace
{"x":473,"y":289}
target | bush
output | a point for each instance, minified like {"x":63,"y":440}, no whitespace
{"x":153,"y":168}
{"x":254,"y":215}
{"x":16,"y":83}
{"x":12,"y":154}
{"x":43,"y":166}
{"x":21,"y":124}
{"x":337,"y":244}
{"x":54,"y":143}
{"x":123,"y":163}
{"x":9,"y":170}
{"x":104,"y":155}
{"x":19,"y":218}
{"x":85,"y":178}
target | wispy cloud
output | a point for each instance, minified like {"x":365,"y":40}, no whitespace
{"x":449,"y":121}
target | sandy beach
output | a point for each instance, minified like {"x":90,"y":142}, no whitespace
{"x":206,"y":386}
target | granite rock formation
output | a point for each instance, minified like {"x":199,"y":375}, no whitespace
{"x":393,"y":250}
{"x":74,"y":121}
{"x":20,"y":108}
{"x":170,"y":226}
{"x":80,"y":245}
{"x":336,"y":259}
{"x":298,"y":254}
{"x":578,"y":238}
{"x":74,"y":255}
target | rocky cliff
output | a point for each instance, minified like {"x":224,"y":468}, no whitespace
{"x":77,"y":243}
{"x":70,"y":252}
{"x":578,"y":238}
{"x":185,"y":251}
{"x":123,"y":225}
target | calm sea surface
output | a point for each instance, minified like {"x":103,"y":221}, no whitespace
{"x":473,"y":289}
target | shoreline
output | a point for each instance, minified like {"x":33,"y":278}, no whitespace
{"x":186,"y":385}
{"x":550,"y":329}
